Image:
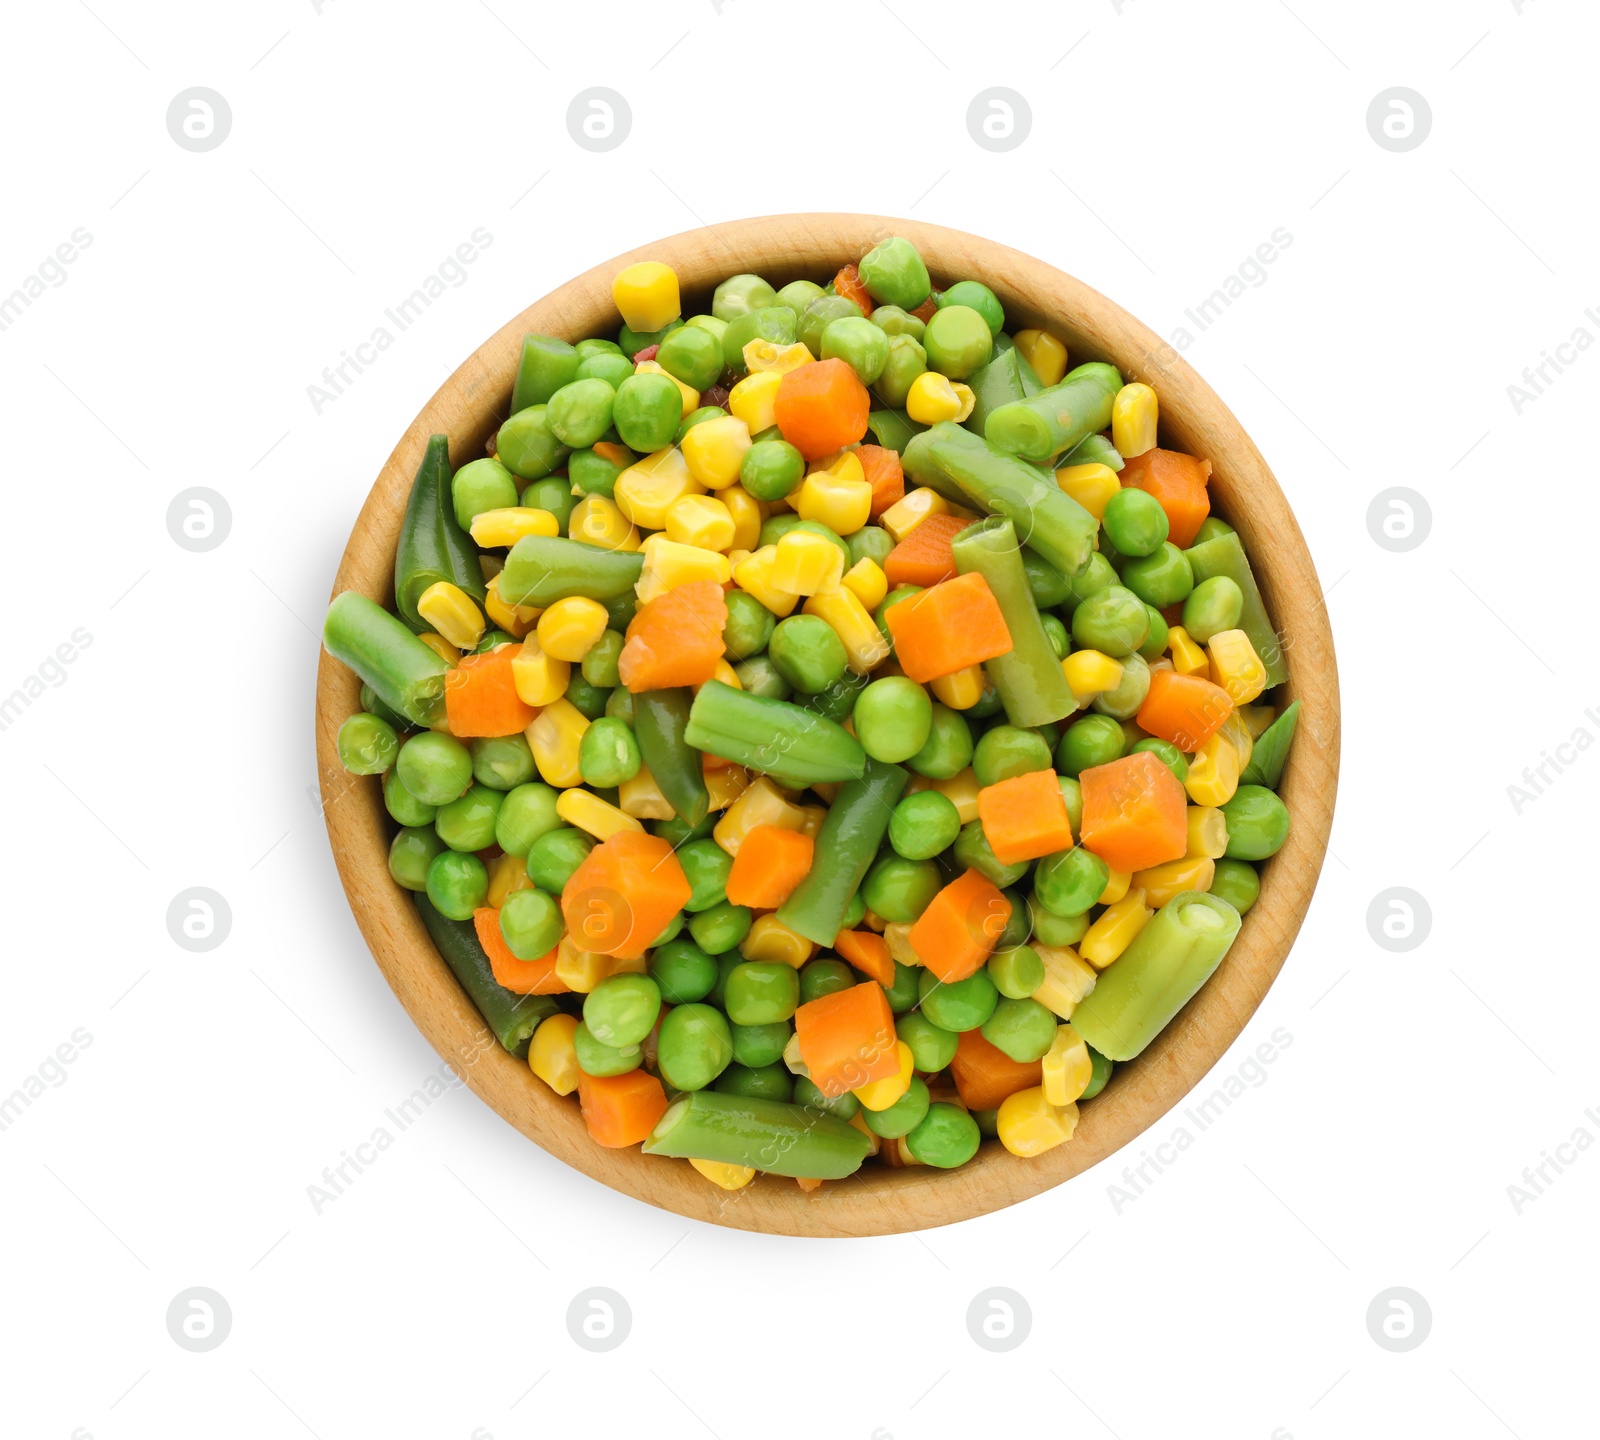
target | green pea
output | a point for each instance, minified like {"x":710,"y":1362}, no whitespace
{"x":600,"y":664}
{"x":502,"y":762}
{"x":902,"y":995}
{"x":492,"y":640}
{"x":965,"y":1005}
{"x":675,"y":832}
{"x":468,"y":821}
{"x":527,"y":446}
{"x":608,"y":754}
{"x":1160,"y":579}
{"x":647,"y":410}
{"x":613,"y":369}
{"x":749,"y":626}
{"x":761,"y":992}
{"x":1166,"y":752}
{"x":1094,"y":740}
{"x":1004,"y":751}
{"x":818,"y":315}
{"x":824,"y":977}
{"x":555,"y":855}
{"x":1056,"y":633}
{"x":948,"y":750}
{"x":597,"y":1058}
{"x":1070,"y":881}
{"x":1017,"y":972}
{"x":899,"y":890}
{"x":410,"y":853}
{"x":374,"y":706}
{"x":932,"y":1047}
{"x":588,"y":700}
{"x":1213,"y":606}
{"x":739,"y":295}
{"x":892,"y":320}
{"x":1235,"y":881}
{"x":1258,"y":823}
{"x":946,"y":1137}
{"x":719,"y":929}
{"x":1113,"y":622}
{"x":797,"y":294}
{"x":773,"y":323}
{"x":1095,"y":576}
{"x":585,"y":348}
{"x":958,"y":340}
{"x":808,"y":653}
{"x":705,"y":866}
{"x":854,"y":912}
{"x":977,"y":296}
{"x":694,"y":1046}
{"x":841,"y":1106}
{"x":1050,"y":733}
{"x":894,"y":597}
{"x":622,"y":1009}
{"x":1018,"y":929}
{"x":903,"y":1116}
{"x":1072,"y":793}
{"x":859,"y":343}
{"x":1211,"y":527}
{"x":892,"y":272}
{"x":692,"y":355}
{"x":683,"y":972}
{"x":725,"y":964}
{"x":1123,"y":700}
{"x":1021,"y":1028}
{"x":923,"y":825}
{"x":709,"y":323}
{"x":973,"y":852}
{"x":457,"y":883}
{"x":1056,"y":930}
{"x":631,"y":341}
{"x":893,"y":718}
{"x":1135,"y":522}
{"x":404,"y":808}
{"x":673,"y":928}
{"x":698,"y":416}
{"x":527,"y":812}
{"x":760,"y":1045}
{"x":434,"y":767}
{"x":904,"y":358}
{"x":760,"y":676}
{"x":1155,"y":643}
{"x":552,"y":494}
{"x":870,"y":542}
{"x":530,"y":923}
{"x":367,"y":745}
{"x":1048,"y":586}
{"x":769,"y":1082}
{"x":839,"y":699}
{"x":580,"y":413}
{"x":988,"y":1123}
{"x":1099,"y":1073}
{"x":771,"y":469}
{"x":481,"y":485}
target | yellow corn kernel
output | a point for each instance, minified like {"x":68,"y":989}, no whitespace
{"x":1044,"y":352}
{"x":453,"y":613}
{"x":646,"y":293}
{"x":1237,"y":733}
{"x":554,"y":736}
{"x":1213,"y":772}
{"x":761,"y":803}
{"x":540,"y":679}
{"x":760,"y":355}
{"x":756,"y":575}
{"x":582,"y":970}
{"x":898,"y":938}
{"x":667,"y":565}
{"x":1134,"y":414}
{"x":1068,"y":978}
{"x":691,"y":398}
{"x":1161,"y":662}
{"x":1089,"y":673}
{"x":857,"y":1123}
{"x":960,"y":790}
{"x":754,"y":400}
{"x":724,"y":785}
{"x":771,"y":940}
{"x":867,"y":582}
{"x":1257,"y":718}
{"x":1066,"y":1067}
{"x":552,"y":1056}
{"x":814,"y":816}
{"x":934,"y":397}
{"x":806,"y":564}
{"x":597,"y":817}
{"x":1028,"y":1124}
{"x":1161,"y":882}
{"x":791,"y":1058}
{"x":507,"y":526}
{"x":569,"y":628}
{"x":646,"y":490}
{"x":1187,"y":657}
{"x":839,"y":496}
{"x":901,"y":518}
{"x":440,"y":647}
{"x":725,"y":673}
{"x":1235,"y":666}
{"x":1208,"y":832}
{"x":515,"y":620}
{"x":507,"y":874}
{"x":747,"y":516}
{"x":881,"y":1094}
{"x":1114,"y":931}
{"x":598,"y":520}
{"x":714,"y":450}
{"x":849,"y":619}
{"x":719,"y":1172}
{"x":962,"y":689}
{"x":1116,"y":887}
{"x":1092,"y":486}
{"x":641,"y":797}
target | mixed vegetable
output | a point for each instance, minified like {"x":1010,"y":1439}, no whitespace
{"x":813,"y":736}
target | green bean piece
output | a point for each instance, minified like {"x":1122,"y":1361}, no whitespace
{"x":893,"y":429}
{"x":765,"y":1135}
{"x":1271,"y":750}
{"x":541,"y":569}
{"x":546,"y":365}
{"x":374,"y":706}
{"x":1092,"y":450}
{"x":1004,"y":380}
{"x":511,"y":1018}
{"x":1224,"y":555}
{"x":433,"y":545}
{"x":783,"y":740}
{"x":1059,"y":418}
{"x":661,"y":722}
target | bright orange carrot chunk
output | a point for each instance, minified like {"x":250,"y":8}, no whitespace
{"x":620,"y":1109}
{"x":1178,"y":482}
{"x":948,"y":627}
{"x":1185,"y":710}
{"x":868,"y":952}
{"x":884,"y":473}
{"x":623,"y":894}
{"x":1133,"y":813}
{"x":522,"y":977}
{"x":957,"y":931}
{"x":923,"y":557}
{"x":821,"y":408}
{"x":847,"y":1038}
{"x":675,"y":639}
{"x":985,"y":1075}
{"x":927,"y":310}
{"x":1025,"y":817}
{"x":771,"y":862}
{"x":480,"y":696}
{"x":848,"y":283}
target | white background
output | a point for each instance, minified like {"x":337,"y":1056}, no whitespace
{"x":1167,"y":142}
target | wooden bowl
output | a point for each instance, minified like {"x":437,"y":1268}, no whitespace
{"x":470,"y":406}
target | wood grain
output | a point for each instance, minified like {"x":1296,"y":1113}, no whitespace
{"x":469,"y":408}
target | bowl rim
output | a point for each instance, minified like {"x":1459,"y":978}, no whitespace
{"x":878,"y":1200}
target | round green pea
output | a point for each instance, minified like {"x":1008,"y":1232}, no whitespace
{"x":552,"y":494}
{"x":673,"y":929}
{"x":808,"y":653}
{"x":480,"y":485}
{"x":404,"y":808}
{"x":588,"y":700}
{"x":932,"y":1047}
{"x":1095,"y":576}
{"x":977,"y":296}
{"x":530,"y":923}
{"x":457,"y":883}
{"x":367,"y":745}
{"x":903,"y":1116}
{"x":1166,"y":752}
{"x":759,"y":676}
{"x":608,"y":754}
{"x":1023,"y":1029}
{"x":434,"y":767}
{"x":1123,"y":700}
{"x":1016,"y":972}
{"x":818,"y":315}
{"x":761,"y":1045}
{"x":683,"y":972}
{"x":410,"y":853}
{"x":739,"y":295}
{"x":597,"y":1058}
{"x":1113,"y":622}
{"x":771,"y":469}
{"x":893,"y":320}
{"x":1155,"y":643}
{"x":1258,"y":823}
{"x":719,"y":929}
{"x":923,"y":825}
{"x":773,"y":323}
{"x":1135,"y":522}
{"x":948,"y":750}
{"x":958,"y":340}
{"x":761,"y":992}
{"x":555,"y":855}
{"x":893,"y":273}
{"x":705,"y":866}
{"x":527,"y":812}
{"x":1070,"y":881}
{"x":622,"y":1009}
{"x":698,"y":416}
{"x":893,"y":718}
{"x":902,"y":995}
{"x":749,"y":626}
{"x":1056,"y":633}
{"x":973,"y":852}
{"x":797,"y":294}
{"x":1211,"y":527}
{"x":1004,"y":751}
{"x":596,"y":346}
{"x":527,"y":446}
{"x":904,"y":360}
{"x":824,"y":977}
{"x":600,"y":664}
{"x":468,"y":821}
{"x":502,"y":762}
{"x":965,"y":1005}
{"x":1056,"y":930}
{"x":1094,"y":740}
{"x":899,"y":890}
{"x":1161,"y":578}
{"x":630,"y":342}
{"x":612,"y":368}
{"x":870,"y":542}
{"x":647,"y":410}
{"x":1099,"y":1073}
{"x":946,"y":1137}
{"x":1213,"y":606}
{"x":579,"y":413}
{"x":692,"y":355}
{"x":1072,"y":793}
{"x":859,"y":343}
{"x":1235,"y":881}
{"x":768,"y":1082}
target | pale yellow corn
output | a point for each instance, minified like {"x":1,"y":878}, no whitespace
{"x":515,"y":620}
{"x":961,"y":791}
{"x":1257,"y":718}
{"x":453,"y":613}
{"x":857,"y":1123}
{"x":1068,"y":978}
{"x":507,"y":874}
{"x":554,"y":737}
{"x":714,"y":450}
{"x":1134,"y":414}
{"x":1028,"y":1124}
{"x":898,"y":938}
{"x":881,"y":1094}
{"x":791,"y":1057}
{"x":1066,"y":1069}
{"x":908,"y":512}
{"x":506,"y":526}
{"x":867,"y":582}
{"x":646,"y":490}
{"x":1092,"y":486}
{"x":761,"y":803}
{"x":1235,"y":666}
{"x":569,"y":628}
{"x":1044,"y":352}
{"x":540,"y":679}
{"x":814,"y":815}
{"x":849,"y":619}
{"x":641,"y":797}
{"x":771,"y":940}
{"x":1089,"y":673}
{"x":806,"y":564}
{"x":747,"y":515}
{"x":1207,"y":830}
{"x":553,"y":1056}
{"x":691,"y":398}
{"x":1237,"y":733}
{"x":598,"y":520}
{"x":667,"y":565}
{"x":440,"y":647}
{"x":646,"y":294}
{"x":1213,"y":772}
{"x":1115,"y":930}
{"x":1161,"y":882}
{"x":756,"y":575}
{"x":724,"y":785}
{"x":769,"y":355}
{"x":1188,"y":658}
{"x":719,"y":1172}
{"x":1117,"y":883}
{"x":838,"y":497}
{"x":582,"y":970}
{"x":593,"y":815}
{"x":725,"y":673}
{"x":754,"y":400}
{"x":934,"y":397}
{"x":962,"y":689}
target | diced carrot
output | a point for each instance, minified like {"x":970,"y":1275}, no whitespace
{"x":616,"y":454}
{"x":623,"y":894}
{"x":480,"y":696}
{"x":848,"y":283}
{"x":1178,"y":482}
{"x":869,"y":953}
{"x":675,"y":639}
{"x":923,"y":557}
{"x":885,"y":474}
{"x":771,"y":862}
{"x":847,"y":1038}
{"x":1134,"y":812}
{"x":958,"y":930}
{"x":521,"y":977}
{"x":1025,"y":817}
{"x":620,"y":1109}
{"x":710,"y":762}
{"x":947,"y":627}
{"x":927,"y":310}
{"x":1185,"y":710}
{"x":985,"y":1075}
{"x":821,"y":408}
